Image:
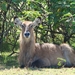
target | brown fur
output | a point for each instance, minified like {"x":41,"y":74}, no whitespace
{"x":68,"y":53}
{"x":43,"y":55}
{"x":27,"y":48}
{"x":48,"y":53}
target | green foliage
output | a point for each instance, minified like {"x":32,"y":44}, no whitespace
{"x":3,"y":6}
{"x":30,"y":15}
{"x":8,"y":61}
{"x":58,"y":17}
{"x":61,"y":61}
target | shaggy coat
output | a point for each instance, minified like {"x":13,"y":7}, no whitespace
{"x":69,"y":54}
{"x":41,"y":55}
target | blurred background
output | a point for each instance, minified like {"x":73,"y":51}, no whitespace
{"x":58,"y":22}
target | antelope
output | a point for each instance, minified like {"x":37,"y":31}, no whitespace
{"x":40,"y":55}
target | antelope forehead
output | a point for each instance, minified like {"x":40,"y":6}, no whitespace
{"x":27,"y":22}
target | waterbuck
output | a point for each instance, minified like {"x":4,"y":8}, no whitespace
{"x":40,"y":55}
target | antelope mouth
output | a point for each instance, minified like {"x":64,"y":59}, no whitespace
{"x":27,"y":36}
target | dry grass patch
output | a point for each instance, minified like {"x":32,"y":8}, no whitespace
{"x":36,"y":71}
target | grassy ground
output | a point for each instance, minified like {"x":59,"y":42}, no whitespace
{"x":9,"y":66}
{"x":36,"y":71}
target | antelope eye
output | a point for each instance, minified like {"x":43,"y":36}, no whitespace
{"x":22,"y":25}
{"x":30,"y":25}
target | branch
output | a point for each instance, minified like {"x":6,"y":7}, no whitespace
{"x":14,"y":46}
{"x":4,"y":33}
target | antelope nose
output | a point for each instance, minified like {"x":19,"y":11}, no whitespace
{"x":27,"y":34}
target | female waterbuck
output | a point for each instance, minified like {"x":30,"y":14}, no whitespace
{"x":40,"y":55}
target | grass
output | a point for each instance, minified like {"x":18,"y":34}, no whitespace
{"x":36,"y":71}
{"x":10,"y":66}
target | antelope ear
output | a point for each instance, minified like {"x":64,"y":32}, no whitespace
{"x":37,"y":21}
{"x":17,"y":21}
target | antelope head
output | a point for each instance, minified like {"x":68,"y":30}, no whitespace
{"x":27,"y":26}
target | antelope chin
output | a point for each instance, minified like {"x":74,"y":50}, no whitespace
{"x":27,"y":38}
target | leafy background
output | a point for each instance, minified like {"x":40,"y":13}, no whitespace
{"x":58,"y":21}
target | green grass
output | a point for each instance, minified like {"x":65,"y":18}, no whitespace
{"x":10,"y":66}
{"x":8,"y":61}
